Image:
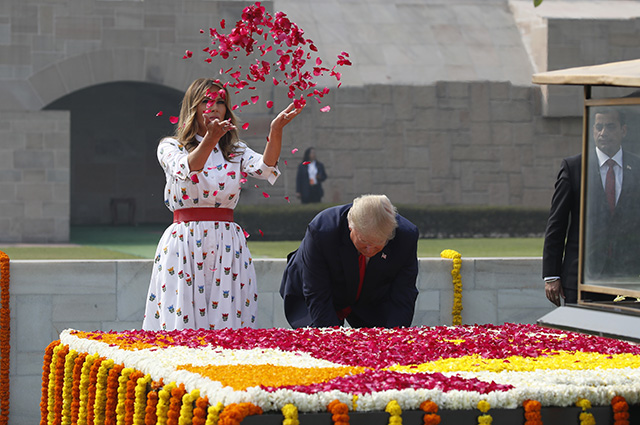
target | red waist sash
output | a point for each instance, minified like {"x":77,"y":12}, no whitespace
{"x":202,"y":214}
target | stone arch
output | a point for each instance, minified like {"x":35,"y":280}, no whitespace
{"x":108,"y":65}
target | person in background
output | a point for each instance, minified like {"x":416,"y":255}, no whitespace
{"x":203,"y":275}
{"x":309,"y":179}
{"x":357,"y":262}
{"x":612,"y":216}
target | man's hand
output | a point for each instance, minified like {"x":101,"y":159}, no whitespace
{"x":554,"y":291}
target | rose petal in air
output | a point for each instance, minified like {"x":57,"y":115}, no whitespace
{"x":173,"y":120}
{"x":255,"y":99}
{"x":287,"y":198}
{"x":306,"y":163}
{"x":325,"y":108}
{"x":261,"y":234}
{"x":266,"y":195}
{"x":159,"y":114}
{"x":187,"y":54}
{"x":245,"y":126}
{"x":294,"y":150}
{"x":269,"y":103}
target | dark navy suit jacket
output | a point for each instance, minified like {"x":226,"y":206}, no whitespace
{"x":322,"y":276}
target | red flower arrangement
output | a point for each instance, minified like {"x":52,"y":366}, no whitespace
{"x":431,"y":416}
{"x":620,"y":411}
{"x":339,"y":412}
{"x":5,"y":337}
{"x":532,"y":413}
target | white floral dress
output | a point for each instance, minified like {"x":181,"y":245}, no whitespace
{"x":203,"y":275}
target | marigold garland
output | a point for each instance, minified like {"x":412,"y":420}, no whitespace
{"x":213,"y":414}
{"x":5,"y":336}
{"x":173,"y":415}
{"x":431,"y":416}
{"x":75,"y":389}
{"x":484,"y":407}
{"x":140,"y":399}
{"x":339,"y":412}
{"x":84,"y":388}
{"x":112,"y":395}
{"x":91,"y":393}
{"x":122,"y":395}
{"x":200,"y":411}
{"x":395,"y":411}
{"x":586,"y":418}
{"x":234,"y":413}
{"x":130,"y":398}
{"x":51,"y":414}
{"x":532,"y":413}
{"x":101,"y":391}
{"x":456,"y":311}
{"x":620,"y":409}
{"x":186,"y":411}
{"x":69,"y":365}
{"x":46,"y":370}
{"x":290,"y":413}
{"x":59,"y":382}
{"x":164,"y":396}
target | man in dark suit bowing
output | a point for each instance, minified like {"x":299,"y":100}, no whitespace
{"x":611,"y":222}
{"x":356,"y":262}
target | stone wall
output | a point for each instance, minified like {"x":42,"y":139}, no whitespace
{"x":50,"y":296}
{"x":34,"y":176}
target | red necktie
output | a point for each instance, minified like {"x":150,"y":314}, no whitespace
{"x":610,"y":185}
{"x":362,"y":266}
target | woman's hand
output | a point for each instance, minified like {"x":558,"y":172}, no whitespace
{"x":217,"y":128}
{"x":272,"y":150}
{"x":285,"y":117}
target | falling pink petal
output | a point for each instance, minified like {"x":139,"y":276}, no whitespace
{"x":243,"y":180}
{"x":223,"y":24}
{"x":294,"y":150}
{"x":159,"y":114}
{"x":287,"y":198}
{"x":244,"y":103}
{"x":325,"y":108}
{"x":201,"y":31}
{"x":306,"y":163}
{"x":173,"y":120}
{"x":255,"y":185}
{"x":187,"y":54}
{"x":266,"y":195}
{"x":246,"y":234}
{"x":255,"y":99}
{"x":269,"y":103}
{"x":261,"y":234}
{"x":285,"y":162}
{"x":245,"y":126}
{"x":234,"y":107}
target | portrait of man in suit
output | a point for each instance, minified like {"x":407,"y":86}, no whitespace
{"x":357,"y":262}
{"x":611,"y":212}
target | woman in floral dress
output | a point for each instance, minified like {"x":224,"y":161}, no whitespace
{"x":203,"y":275}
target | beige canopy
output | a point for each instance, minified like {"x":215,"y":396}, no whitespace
{"x":622,"y":74}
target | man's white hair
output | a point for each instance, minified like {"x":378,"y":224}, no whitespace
{"x":374,"y":217}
